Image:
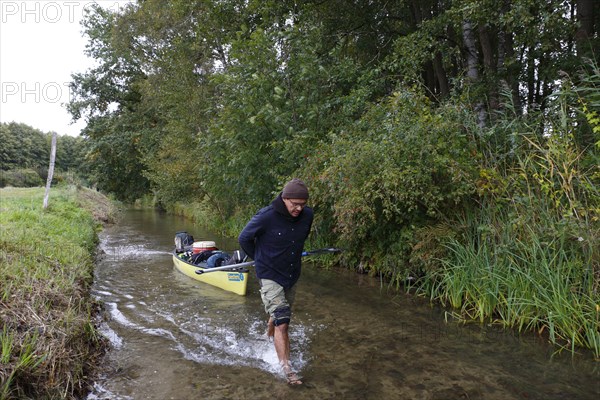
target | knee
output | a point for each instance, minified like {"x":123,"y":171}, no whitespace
{"x":281,"y":316}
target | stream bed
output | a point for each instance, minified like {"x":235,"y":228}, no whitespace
{"x":351,"y":337}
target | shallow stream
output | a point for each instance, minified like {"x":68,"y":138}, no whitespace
{"x":351,"y":338}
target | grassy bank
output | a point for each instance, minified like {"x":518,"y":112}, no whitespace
{"x":49,"y":341}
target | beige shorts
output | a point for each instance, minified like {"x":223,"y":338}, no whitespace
{"x":277,"y":301}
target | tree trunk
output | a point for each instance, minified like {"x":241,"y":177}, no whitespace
{"x":530,"y":79}
{"x":440,"y":74}
{"x":469,"y":40}
{"x":511,"y":72}
{"x":489,"y":65}
{"x":416,"y":12}
{"x":50,"y":170}
{"x":540,"y":78}
{"x":472,"y":71}
{"x":586,"y":28}
{"x":429,"y":77}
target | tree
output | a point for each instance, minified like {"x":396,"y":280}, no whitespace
{"x":10,"y":156}
{"x":107,"y":97}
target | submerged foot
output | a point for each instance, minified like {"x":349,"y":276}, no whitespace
{"x":291,"y":377}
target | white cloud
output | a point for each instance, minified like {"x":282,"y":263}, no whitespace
{"x":41,"y":45}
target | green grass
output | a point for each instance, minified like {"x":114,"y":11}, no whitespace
{"x":536,"y":285}
{"x":46,"y":263}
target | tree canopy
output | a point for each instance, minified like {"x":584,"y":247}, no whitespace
{"x":249,"y":88}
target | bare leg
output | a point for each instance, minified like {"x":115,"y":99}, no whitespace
{"x":270,"y":328}
{"x":282,"y":347}
{"x":282,"y":344}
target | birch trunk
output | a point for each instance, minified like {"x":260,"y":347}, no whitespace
{"x":472,"y":71}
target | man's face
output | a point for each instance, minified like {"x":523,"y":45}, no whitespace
{"x":294,"y":206}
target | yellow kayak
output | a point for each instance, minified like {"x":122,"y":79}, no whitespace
{"x":204,"y":262}
{"x":233,"y":280}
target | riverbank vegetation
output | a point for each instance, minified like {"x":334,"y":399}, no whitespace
{"x":450,"y":146}
{"x":49,"y":340}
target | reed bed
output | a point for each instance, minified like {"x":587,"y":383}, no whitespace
{"x":526,"y":283}
{"x":48,"y":336}
{"x":526,"y":254}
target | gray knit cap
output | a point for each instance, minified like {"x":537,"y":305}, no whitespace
{"x":295,"y":189}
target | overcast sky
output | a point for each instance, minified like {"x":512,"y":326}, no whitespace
{"x":41,"y":45}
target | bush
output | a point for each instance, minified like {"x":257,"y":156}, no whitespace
{"x":23,"y":177}
{"x":405,"y":164}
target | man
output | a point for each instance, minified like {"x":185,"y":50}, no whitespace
{"x":274,"y":238}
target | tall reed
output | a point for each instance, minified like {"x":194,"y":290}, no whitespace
{"x":527,"y":255}
{"x":535,"y":286}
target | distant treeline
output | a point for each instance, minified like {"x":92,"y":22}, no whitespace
{"x":25,"y":156}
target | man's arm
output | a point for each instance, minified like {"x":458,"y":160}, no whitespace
{"x":247,"y":237}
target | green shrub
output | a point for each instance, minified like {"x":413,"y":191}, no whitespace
{"x":22,"y":177}
{"x":404,"y":165}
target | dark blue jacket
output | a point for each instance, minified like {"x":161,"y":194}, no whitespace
{"x":275,"y":241}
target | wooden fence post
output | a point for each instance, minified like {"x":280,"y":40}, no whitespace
{"x":50,"y":169}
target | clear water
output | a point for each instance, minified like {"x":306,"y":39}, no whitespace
{"x":175,"y":338}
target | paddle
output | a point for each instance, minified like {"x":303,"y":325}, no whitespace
{"x":249,"y":263}
{"x":321,"y":251}
{"x":224,"y":268}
